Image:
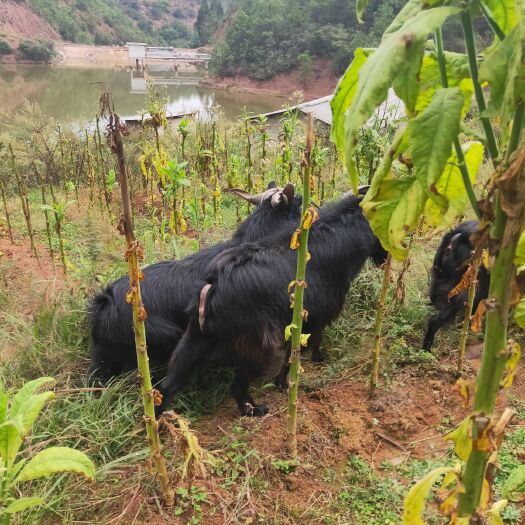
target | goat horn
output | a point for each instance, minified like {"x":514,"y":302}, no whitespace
{"x":254,"y":199}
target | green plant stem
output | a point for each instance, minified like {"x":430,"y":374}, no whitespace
{"x":139,"y":316}
{"x":494,"y":356}
{"x":491,"y":22}
{"x":517,"y":126}
{"x":300,"y":285}
{"x":46,"y":213}
{"x":22,"y":191}
{"x":462,"y":165}
{"x":380,"y":312}
{"x":58,"y":227}
{"x":466,"y":22}
{"x":468,"y":313}
{"x":7,"y":217}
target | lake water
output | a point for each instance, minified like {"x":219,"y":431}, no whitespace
{"x":71,"y":95}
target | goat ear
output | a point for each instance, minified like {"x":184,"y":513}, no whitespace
{"x":289,"y":192}
{"x":254,"y":199}
{"x":271,"y":185}
{"x":363,"y":189}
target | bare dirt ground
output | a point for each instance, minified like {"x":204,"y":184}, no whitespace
{"x":404,"y":421}
{"x":321,"y":83}
{"x":18,"y":21}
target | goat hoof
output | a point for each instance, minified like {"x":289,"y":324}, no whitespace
{"x":318,"y":356}
{"x":254,"y":410}
{"x":281,"y":382}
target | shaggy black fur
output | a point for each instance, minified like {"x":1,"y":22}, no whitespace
{"x":246,"y":307}
{"x":166,"y":291}
{"x":450,"y":263}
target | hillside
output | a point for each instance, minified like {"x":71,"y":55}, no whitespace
{"x":165,"y":22}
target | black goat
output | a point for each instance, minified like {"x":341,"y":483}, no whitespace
{"x":243,"y":307}
{"x":167,"y":288}
{"x":450,"y":263}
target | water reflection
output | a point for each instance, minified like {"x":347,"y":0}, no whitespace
{"x":71,"y":95}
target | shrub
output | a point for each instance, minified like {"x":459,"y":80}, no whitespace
{"x":36,"y":50}
{"x":5,"y":48}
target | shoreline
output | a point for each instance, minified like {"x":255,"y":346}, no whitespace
{"x":286,"y":85}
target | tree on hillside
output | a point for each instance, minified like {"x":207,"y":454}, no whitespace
{"x":209,"y":18}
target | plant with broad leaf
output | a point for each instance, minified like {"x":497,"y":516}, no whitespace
{"x":17,"y":416}
{"x":429,"y":170}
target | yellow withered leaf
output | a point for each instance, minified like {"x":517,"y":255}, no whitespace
{"x":304,"y":339}
{"x":288,"y":332}
{"x":484,"y":442}
{"x":485,"y":495}
{"x":310,"y":216}
{"x":493,"y":513}
{"x":294,"y":243}
{"x":477,"y":318}
{"x":466,"y":389}
{"x":129,"y":296}
{"x":514,"y":353}
{"x":449,"y":504}
{"x":414,"y":503}
{"x":462,"y":439}
{"x":142,"y":313}
{"x":465,"y":281}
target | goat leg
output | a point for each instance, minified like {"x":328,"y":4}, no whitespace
{"x":191,"y":350}
{"x":241,"y":394}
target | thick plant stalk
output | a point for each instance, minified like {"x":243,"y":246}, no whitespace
{"x":457,"y":145}
{"x":466,"y":22}
{"x":46,"y":213}
{"x":300,"y":285}
{"x":380,"y":312}
{"x":22,"y":190}
{"x":7,"y":217}
{"x":468,"y":312}
{"x":495,"y":352}
{"x":133,"y":251}
{"x":58,"y":227}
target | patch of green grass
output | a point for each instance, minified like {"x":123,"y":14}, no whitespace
{"x":367,"y":497}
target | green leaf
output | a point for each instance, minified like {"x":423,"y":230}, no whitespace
{"x":410,"y":9}
{"x":27,"y":405}
{"x":519,"y":313}
{"x":457,"y":69}
{"x":504,"y":70}
{"x":22,"y":504}
{"x":26,"y":392}
{"x":394,"y":58}
{"x":10,"y":441}
{"x":431,"y":137}
{"x":503,"y":12}
{"x":28,"y":412}
{"x":450,"y":185}
{"x":360,"y":8}
{"x":462,"y":439}
{"x":3,"y":404}
{"x":515,"y":482}
{"x":519,"y":256}
{"x":394,"y":211}
{"x":57,"y":459}
{"x":414,"y":503}
{"x":343,"y":95}
{"x":494,"y":517}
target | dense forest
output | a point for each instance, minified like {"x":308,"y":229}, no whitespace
{"x":257,"y":38}
{"x":266,"y":37}
{"x":164,"y":22}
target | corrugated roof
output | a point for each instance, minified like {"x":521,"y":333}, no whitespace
{"x":392,"y":108}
